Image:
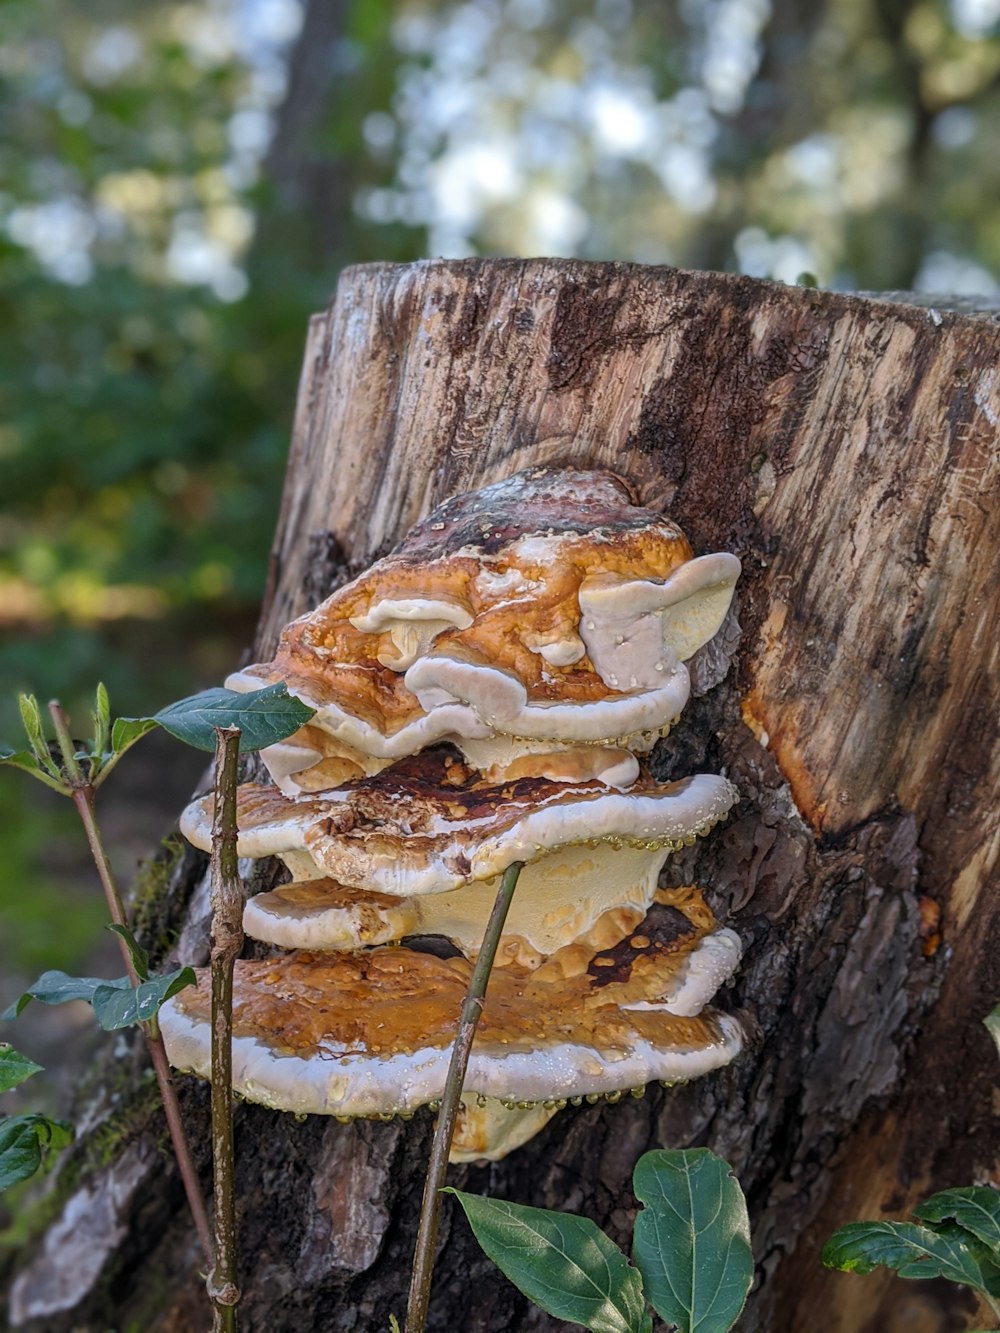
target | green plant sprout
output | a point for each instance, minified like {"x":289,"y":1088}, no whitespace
{"x":215,"y":718}
{"x":956,"y":1235}
{"x":26,"y":1141}
{"x":690,"y":1249}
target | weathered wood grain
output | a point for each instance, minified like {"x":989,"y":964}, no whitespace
{"x":847,"y":451}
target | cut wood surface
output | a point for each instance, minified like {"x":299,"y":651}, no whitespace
{"x":847,"y":451}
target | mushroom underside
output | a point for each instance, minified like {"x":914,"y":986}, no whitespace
{"x":586,"y":896}
{"x":453,"y":700}
{"x":313,"y":761}
{"x":489,"y":1129}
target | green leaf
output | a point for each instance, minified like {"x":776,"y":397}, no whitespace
{"x":263,"y":717}
{"x":20,"y":1150}
{"x":124,"y":734}
{"x":992,"y":1024}
{"x":127,"y":730}
{"x":101,"y":716}
{"x":22,"y":758}
{"x":913,"y":1251}
{"x":139,"y":956}
{"x":24,"y":1141}
{"x":14,"y":1067}
{"x":19,"y":758}
{"x":692,"y":1239}
{"x":975,"y":1209}
{"x":32,"y":718}
{"x":55,"y":988}
{"x":26,"y":760}
{"x":60,"y":1133}
{"x":117,"y":1004}
{"x":564,"y":1263}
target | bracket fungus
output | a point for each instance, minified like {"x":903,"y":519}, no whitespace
{"x":431,"y":835}
{"x":369,"y":1032}
{"x":543,"y":613}
{"x":484,"y":695}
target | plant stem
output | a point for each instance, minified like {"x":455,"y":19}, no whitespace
{"x":227,"y":941}
{"x":60,"y":723}
{"x":83,"y":799}
{"x":444,"y":1130}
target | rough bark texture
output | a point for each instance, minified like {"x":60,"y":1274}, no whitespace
{"x":846,"y":450}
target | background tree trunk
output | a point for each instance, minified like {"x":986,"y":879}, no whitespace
{"x":846,"y":451}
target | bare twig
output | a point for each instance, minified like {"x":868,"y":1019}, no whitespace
{"x":227,"y":941}
{"x":444,"y":1131}
{"x":83,"y":799}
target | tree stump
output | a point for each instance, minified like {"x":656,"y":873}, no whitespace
{"x":846,"y":450}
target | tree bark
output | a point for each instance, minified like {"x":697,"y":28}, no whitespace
{"x":846,"y":450}
{"x":308,"y":181}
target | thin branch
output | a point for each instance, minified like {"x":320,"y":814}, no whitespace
{"x":83,"y":799}
{"x":61,"y":724}
{"x":178,"y":1137}
{"x":227,"y":941}
{"x":444,"y":1131}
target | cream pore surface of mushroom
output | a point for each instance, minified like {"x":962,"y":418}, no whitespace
{"x":430,"y":833}
{"x":485,"y":695}
{"x":544,"y":613}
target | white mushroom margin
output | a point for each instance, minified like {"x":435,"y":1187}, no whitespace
{"x":361,"y":1084}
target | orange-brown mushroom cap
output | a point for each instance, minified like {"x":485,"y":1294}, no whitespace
{"x":430,"y":828}
{"x":548,"y":607}
{"x":370,"y":1033}
{"x":429,"y":824}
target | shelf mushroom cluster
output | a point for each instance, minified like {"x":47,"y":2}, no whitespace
{"x":484,"y":695}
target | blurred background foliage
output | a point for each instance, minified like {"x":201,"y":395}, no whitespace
{"x":181,"y":182}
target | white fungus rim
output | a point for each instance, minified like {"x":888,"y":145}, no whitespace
{"x":360,"y":1084}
